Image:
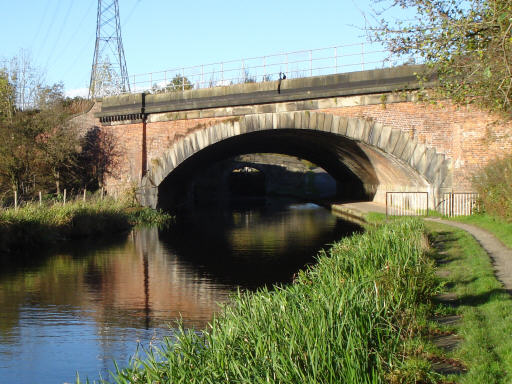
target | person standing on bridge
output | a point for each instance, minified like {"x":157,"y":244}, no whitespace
{"x":282,"y":77}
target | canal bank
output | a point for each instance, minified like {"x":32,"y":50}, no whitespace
{"x":135,"y":305}
{"x":357,"y":211}
{"x":497,"y":251}
{"x":473,"y":259}
{"x":33,"y":226}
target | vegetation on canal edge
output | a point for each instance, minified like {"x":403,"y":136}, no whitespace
{"x":32,"y":225}
{"x":498,"y":226}
{"x":351,"y":318}
{"x":484,"y":307}
{"x":478,"y":299}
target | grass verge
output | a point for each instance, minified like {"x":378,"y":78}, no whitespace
{"x":348,"y":319}
{"x":498,"y":226}
{"x":33,"y":226}
{"x":481,"y":301}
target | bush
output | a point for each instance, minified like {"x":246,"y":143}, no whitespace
{"x":494,"y":185}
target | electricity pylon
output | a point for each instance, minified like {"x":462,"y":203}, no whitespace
{"x":109,"y":75}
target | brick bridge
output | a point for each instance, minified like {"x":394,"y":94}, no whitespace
{"x":366,"y":129}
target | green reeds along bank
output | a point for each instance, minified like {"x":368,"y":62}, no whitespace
{"x":348,"y":319}
{"x":34,"y":225}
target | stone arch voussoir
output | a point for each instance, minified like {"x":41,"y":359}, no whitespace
{"x":433,"y":167}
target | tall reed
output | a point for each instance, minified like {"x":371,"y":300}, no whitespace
{"x":345,"y":320}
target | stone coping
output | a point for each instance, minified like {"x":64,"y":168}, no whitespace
{"x":308,"y":88}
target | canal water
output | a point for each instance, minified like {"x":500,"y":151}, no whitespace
{"x":78,"y":309}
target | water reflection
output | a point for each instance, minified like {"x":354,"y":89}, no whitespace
{"x":81,"y":308}
{"x":254,"y":247}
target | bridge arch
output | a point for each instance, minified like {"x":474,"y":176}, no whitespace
{"x":381,"y":158}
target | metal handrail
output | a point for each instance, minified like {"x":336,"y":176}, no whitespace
{"x":458,"y":203}
{"x":295,"y":64}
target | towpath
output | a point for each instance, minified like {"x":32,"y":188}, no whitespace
{"x":500,"y":254}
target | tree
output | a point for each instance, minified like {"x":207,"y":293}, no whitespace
{"x":247,"y":78}
{"x":59,"y":146}
{"x":100,"y":156}
{"x":178,"y":83}
{"x":50,"y":97}
{"x":39,"y":145}
{"x":36,"y":139}
{"x":7,"y":97}
{"x":468,"y":44}
{"x":17,"y":149}
{"x":25,"y":79}
{"x":494,"y":186}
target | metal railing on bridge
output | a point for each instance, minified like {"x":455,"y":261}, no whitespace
{"x":297,"y":64}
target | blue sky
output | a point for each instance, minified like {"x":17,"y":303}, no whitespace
{"x":158,"y":34}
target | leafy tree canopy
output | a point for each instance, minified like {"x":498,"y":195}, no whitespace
{"x":179,"y":83}
{"x":7,"y":96}
{"x":40,"y":146}
{"x":467,"y":43}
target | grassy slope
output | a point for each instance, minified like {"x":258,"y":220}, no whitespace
{"x":485,"y":307}
{"x":347,"y":319}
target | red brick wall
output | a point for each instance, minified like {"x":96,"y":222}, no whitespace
{"x":159,"y":136}
{"x":468,"y":136}
{"x":128,"y":140}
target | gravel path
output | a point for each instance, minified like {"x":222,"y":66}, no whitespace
{"x":500,"y":254}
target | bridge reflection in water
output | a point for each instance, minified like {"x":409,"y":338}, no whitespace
{"x":79,"y":309}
